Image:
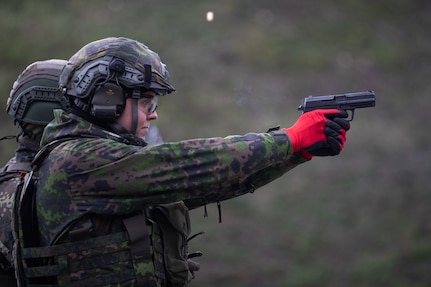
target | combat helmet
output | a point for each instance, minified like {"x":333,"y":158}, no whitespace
{"x":35,"y":94}
{"x":103,"y":73}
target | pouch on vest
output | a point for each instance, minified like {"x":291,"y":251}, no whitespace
{"x":170,"y":236}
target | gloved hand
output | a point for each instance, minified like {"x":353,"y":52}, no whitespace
{"x":319,"y":133}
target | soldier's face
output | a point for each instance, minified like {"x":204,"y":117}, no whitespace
{"x":146,"y":112}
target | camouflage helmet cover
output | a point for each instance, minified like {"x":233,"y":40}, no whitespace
{"x":91,"y":64}
{"x":35,"y":93}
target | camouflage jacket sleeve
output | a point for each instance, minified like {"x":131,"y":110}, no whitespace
{"x":106,"y":177}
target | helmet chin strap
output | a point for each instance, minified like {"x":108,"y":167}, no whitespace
{"x":135,"y":97}
{"x":136,"y":94}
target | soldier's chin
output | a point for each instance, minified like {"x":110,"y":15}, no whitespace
{"x":142,"y":137}
{"x":142,"y":134}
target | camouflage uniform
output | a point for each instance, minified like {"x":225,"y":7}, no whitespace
{"x":95,"y":175}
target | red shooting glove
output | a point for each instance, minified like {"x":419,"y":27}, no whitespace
{"x":319,"y":133}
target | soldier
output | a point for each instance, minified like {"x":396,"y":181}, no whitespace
{"x":34,"y":95}
{"x":112,"y":210}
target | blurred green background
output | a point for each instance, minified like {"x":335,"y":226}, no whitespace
{"x":359,"y":219}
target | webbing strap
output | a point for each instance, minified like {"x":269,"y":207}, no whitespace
{"x":140,"y":243}
{"x":76,"y":246}
{"x":137,"y":229}
{"x":73,"y":259}
{"x":16,"y":167}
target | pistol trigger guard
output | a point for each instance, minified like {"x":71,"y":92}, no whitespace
{"x":353,"y":113}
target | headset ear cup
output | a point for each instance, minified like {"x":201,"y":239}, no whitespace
{"x":108,"y":101}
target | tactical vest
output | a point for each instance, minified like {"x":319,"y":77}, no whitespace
{"x":150,"y":251}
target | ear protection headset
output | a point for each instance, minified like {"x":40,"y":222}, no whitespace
{"x":108,"y":100}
